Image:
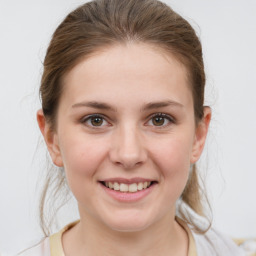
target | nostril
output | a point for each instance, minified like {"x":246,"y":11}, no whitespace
{"x":127,"y":165}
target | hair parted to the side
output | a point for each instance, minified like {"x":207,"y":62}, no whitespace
{"x":103,"y":23}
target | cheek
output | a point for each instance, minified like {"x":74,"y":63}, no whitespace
{"x":81,"y":157}
{"x":172,"y":157}
{"x":172,"y":154}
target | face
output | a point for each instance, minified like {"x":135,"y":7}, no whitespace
{"x":125,"y":121}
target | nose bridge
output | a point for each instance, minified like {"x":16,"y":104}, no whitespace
{"x":128,"y":147}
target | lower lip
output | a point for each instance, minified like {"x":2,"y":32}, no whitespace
{"x":128,"y":197}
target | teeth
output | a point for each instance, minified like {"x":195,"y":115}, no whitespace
{"x":116,"y":186}
{"x":110,"y":185}
{"x":124,"y":187}
{"x":133,"y":187}
{"x":140,"y":186}
{"x":128,"y":187}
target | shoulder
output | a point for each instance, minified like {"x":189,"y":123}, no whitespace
{"x":48,"y":245}
{"x":215,"y":243}
{"x":40,"y":249}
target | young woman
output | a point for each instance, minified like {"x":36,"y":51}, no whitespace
{"x":123,"y":116}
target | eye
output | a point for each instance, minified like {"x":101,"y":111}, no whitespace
{"x":94,"y":121}
{"x":161,"y":120}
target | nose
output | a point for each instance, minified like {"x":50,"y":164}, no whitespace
{"x":128,"y":149}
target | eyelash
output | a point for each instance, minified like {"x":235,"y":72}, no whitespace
{"x":161,"y":115}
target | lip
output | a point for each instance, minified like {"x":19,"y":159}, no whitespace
{"x":128,"y":197}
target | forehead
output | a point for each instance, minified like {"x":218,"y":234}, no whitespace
{"x":135,"y":68}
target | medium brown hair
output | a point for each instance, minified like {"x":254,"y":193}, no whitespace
{"x":103,"y":23}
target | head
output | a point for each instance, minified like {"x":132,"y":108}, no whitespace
{"x":116,"y":58}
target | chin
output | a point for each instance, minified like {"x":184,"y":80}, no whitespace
{"x":128,"y":224}
{"x":128,"y":227}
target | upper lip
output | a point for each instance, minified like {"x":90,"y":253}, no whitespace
{"x":127,"y":181}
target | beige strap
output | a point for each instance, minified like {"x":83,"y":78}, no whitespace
{"x":56,"y":245}
{"x":56,"y":240}
{"x":249,"y":245}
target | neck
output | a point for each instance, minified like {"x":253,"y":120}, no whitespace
{"x":89,"y":237}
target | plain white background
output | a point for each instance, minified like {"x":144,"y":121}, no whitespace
{"x":227,"y":29}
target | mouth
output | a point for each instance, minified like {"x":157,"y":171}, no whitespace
{"x":128,"y":187}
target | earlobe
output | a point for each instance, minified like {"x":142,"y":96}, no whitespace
{"x":51,"y":139}
{"x":200,"y":135}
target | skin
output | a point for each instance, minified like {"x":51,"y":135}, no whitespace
{"x":128,"y":143}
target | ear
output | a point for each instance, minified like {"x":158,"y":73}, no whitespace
{"x":200,"y":135}
{"x":50,"y":137}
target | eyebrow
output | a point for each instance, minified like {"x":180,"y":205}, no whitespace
{"x":161,"y":104}
{"x":94,"y":104}
{"x":148,"y":106}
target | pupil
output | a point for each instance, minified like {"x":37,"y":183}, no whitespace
{"x":158,"y":121}
{"x":97,"y":121}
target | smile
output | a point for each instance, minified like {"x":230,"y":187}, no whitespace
{"x":131,"y":188}
{"x":128,"y":190}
